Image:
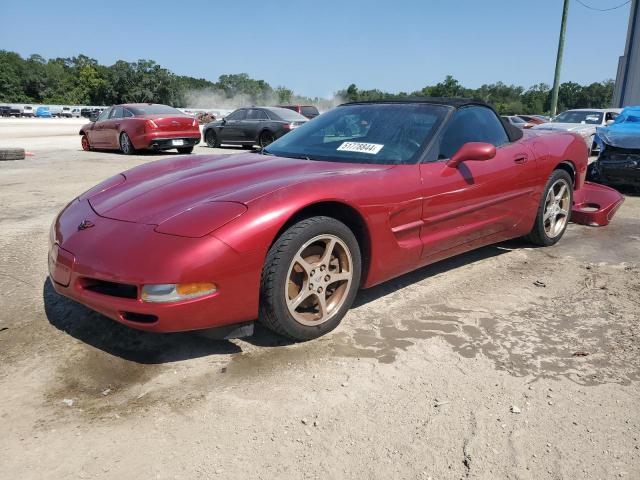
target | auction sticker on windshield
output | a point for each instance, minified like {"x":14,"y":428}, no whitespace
{"x":372,"y":148}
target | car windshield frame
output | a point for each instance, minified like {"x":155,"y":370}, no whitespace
{"x":570,"y":115}
{"x":365,"y":133}
{"x":154,"y":109}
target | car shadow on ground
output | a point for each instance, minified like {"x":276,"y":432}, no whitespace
{"x":143,"y":347}
{"x":138,"y":346}
{"x":415,"y":276}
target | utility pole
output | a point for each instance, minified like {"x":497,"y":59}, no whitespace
{"x":556,"y":77}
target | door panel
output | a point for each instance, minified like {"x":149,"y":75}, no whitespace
{"x":476,"y":199}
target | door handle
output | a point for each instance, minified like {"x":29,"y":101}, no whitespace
{"x":521,"y":158}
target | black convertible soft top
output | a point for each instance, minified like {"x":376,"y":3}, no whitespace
{"x":513,"y":132}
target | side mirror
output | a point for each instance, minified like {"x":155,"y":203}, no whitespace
{"x":477,"y":151}
{"x":610,"y":122}
{"x":224,"y":121}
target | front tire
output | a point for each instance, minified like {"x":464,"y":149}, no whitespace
{"x":84,"y":141}
{"x":212,"y":139}
{"x":310,"y":278}
{"x":126,"y":146}
{"x":554,"y":211}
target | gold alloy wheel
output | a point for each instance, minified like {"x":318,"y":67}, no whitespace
{"x":318,"y":280}
{"x":556,"y":208}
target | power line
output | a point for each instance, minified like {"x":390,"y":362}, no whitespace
{"x":603,"y":9}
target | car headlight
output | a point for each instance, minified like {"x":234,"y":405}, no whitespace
{"x":172,"y":292}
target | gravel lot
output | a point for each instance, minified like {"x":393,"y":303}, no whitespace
{"x":464,"y":369}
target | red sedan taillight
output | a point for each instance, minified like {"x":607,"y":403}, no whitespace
{"x":150,"y":125}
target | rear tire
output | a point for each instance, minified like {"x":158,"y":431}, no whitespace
{"x":554,"y":212}
{"x":185,"y":150}
{"x":310,"y":278}
{"x":212,"y":139}
{"x":126,"y":146}
{"x":265,"y":139}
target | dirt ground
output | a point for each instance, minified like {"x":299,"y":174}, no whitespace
{"x":464,"y":369}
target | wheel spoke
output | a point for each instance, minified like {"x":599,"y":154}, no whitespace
{"x":564,"y":212}
{"x":306,"y":266}
{"x":322,"y":304}
{"x":547,"y":215}
{"x":301,"y":297}
{"x":340,"y":277}
{"x":561,"y":193}
{"x":326,"y":256}
{"x":550,"y":197}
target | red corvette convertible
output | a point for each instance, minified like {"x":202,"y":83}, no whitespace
{"x":362,"y":194}
{"x":140,"y":126}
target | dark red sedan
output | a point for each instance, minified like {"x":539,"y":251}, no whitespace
{"x":141,"y":126}
{"x":362,"y":194}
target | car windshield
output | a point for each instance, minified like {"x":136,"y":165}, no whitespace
{"x":154,"y":109}
{"x":579,"y":116}
{"x":365,"y":133}
{"x":287,"y":115}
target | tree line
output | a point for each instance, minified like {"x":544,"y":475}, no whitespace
{"x":81,"y":80}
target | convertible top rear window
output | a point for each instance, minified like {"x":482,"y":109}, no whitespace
{"x":366,"y":133}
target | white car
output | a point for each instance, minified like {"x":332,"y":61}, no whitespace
{"x":583,"y":121}
{"x":65,"y":112}
{"x":27,"y":111}
{"x":75,"y":113}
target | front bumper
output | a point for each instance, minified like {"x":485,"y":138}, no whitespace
{"x":105,"y":266}
{"x":595,"y":205}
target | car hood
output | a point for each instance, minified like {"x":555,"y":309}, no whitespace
{"x":567,"y":127}
{"x":154,"y":192}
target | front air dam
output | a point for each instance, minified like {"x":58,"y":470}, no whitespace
{"x":595,"y":204}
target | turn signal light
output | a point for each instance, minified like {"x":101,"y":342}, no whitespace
{"x":194,"y":288}
{"x":171,"y":292}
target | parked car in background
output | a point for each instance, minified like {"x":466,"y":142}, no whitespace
{"x":16,"y":111}
{"x":252,"y":126}
{"x":516,"y":121}
{"x":308,"y":111}
{"x":75,"y":113}
{"x":363,"y":194}
{"x":619,"y":143}
{"x":141,"y":126}
{"x":583,"y":121}
{"x":43,"y":112}
{"x":56,"y":110}
{"x":533,"y":119}
{"x":27,"y":111}
{"x":65,"y":112}
{"x":5,"y":111}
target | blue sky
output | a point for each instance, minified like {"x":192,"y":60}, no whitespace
{"x":316,"y":47}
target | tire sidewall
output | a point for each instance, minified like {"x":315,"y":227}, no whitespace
{"x":130,"y":150}
{"x":211,"y":137}
{"x":539,"y":225}
{"x":277,"y":301}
